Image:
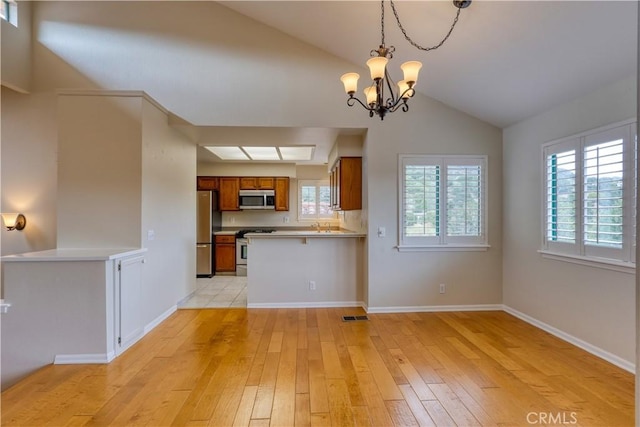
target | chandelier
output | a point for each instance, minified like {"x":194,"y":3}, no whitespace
{"x":377,"y":102}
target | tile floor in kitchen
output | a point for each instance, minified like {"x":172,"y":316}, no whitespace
{"x":218,"y":292}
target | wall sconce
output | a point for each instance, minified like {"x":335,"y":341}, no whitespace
{"x":14,"y":221}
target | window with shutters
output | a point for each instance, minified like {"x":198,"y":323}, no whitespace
{"x":442,"y":202}
{"x":589,"y":195}
{"x":9,"y":11}
{"x":314,"y":200}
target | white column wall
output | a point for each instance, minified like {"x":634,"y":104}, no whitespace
{"x":168,"y":211}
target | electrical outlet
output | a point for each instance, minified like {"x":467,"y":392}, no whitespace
{"x":285,"y":220}
{"x":442,"y":288}
{"x":232,"y":219}
{"x":312,"y":285}
{"x":151,"y":235}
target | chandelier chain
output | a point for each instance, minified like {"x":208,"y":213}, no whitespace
{"x":406,"y":36}
{"x":382,"y":20}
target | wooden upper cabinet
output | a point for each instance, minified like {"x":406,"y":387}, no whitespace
{"x":282,"y":194}
{"x":228,"y":197}
{"x":208,"y":183}
{"x":346,"y":184}
{"x":256,"y":183}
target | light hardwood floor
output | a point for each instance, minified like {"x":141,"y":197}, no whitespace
{"x":306,"y":367}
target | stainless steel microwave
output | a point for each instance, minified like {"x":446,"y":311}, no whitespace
{"x":257,"y":199}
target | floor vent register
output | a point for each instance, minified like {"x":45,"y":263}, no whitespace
{"x":353,"y":318}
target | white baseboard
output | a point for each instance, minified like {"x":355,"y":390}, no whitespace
{"x":183,"y":300}
{"x":83,"y":359}
{"x":596,"y":351}
{"x":322,"y":304}
{"x":155,"y":322}
{"x":435,"y":308}
{"x":74,"y":359}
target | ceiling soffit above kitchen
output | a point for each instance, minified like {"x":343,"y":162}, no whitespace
{"x":282,"y":153}
{"x":286,"y":144}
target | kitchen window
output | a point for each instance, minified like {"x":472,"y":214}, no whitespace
{"x":314,"y":200}
{"x":589,"y":196}
{"x":442,"y":203}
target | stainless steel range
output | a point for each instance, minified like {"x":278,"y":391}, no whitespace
{"x":242,"y":248}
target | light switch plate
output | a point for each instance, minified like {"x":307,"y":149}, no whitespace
{"x":382,"y":232}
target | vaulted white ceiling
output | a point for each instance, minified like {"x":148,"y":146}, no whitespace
{"x":505,"y":61}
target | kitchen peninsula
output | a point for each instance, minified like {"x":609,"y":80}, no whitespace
{"x":305,"y":269}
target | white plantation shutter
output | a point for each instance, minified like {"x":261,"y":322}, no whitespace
{"x":442,"y":201}
{"x":421,"y":200}
{"x":463,"y":200}
{"x":590,"y":194}
{"x":314,"y":200}
{"x":561,"y":196}
{"x":606,"y":194}
{"x":603,"y":194}
{"x":562,"y":174}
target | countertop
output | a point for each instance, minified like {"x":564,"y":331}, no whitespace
{"x":224,"y":233}
{"x":279,"y":234}
{"x":80,"y":254}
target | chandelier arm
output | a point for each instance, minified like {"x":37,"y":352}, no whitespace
{"x":392,"y":96}
{"x":351,"y":103}
{"x":400,"y":102}
{"x":416,"y":45}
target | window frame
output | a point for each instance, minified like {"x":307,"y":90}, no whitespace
{"x":443,"y":241}
{"x":11,"y":8}
{"x":620,"y":259}
{"x":317,"y":183}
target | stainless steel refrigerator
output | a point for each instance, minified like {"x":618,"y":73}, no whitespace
{"x":209,"y":220}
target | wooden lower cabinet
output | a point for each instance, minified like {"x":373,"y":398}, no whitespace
{"x":225,"y":253}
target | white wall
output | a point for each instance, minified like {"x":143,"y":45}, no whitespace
{"x":49,"y":320}
{"x":594,"y":305}
{"x":28,"y":169}
{"x":411,"y":279}
{"x":16,"y":50}
{"x":279,"y":271}
{"x":168,"y":210}
{"x":99,"y":171}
